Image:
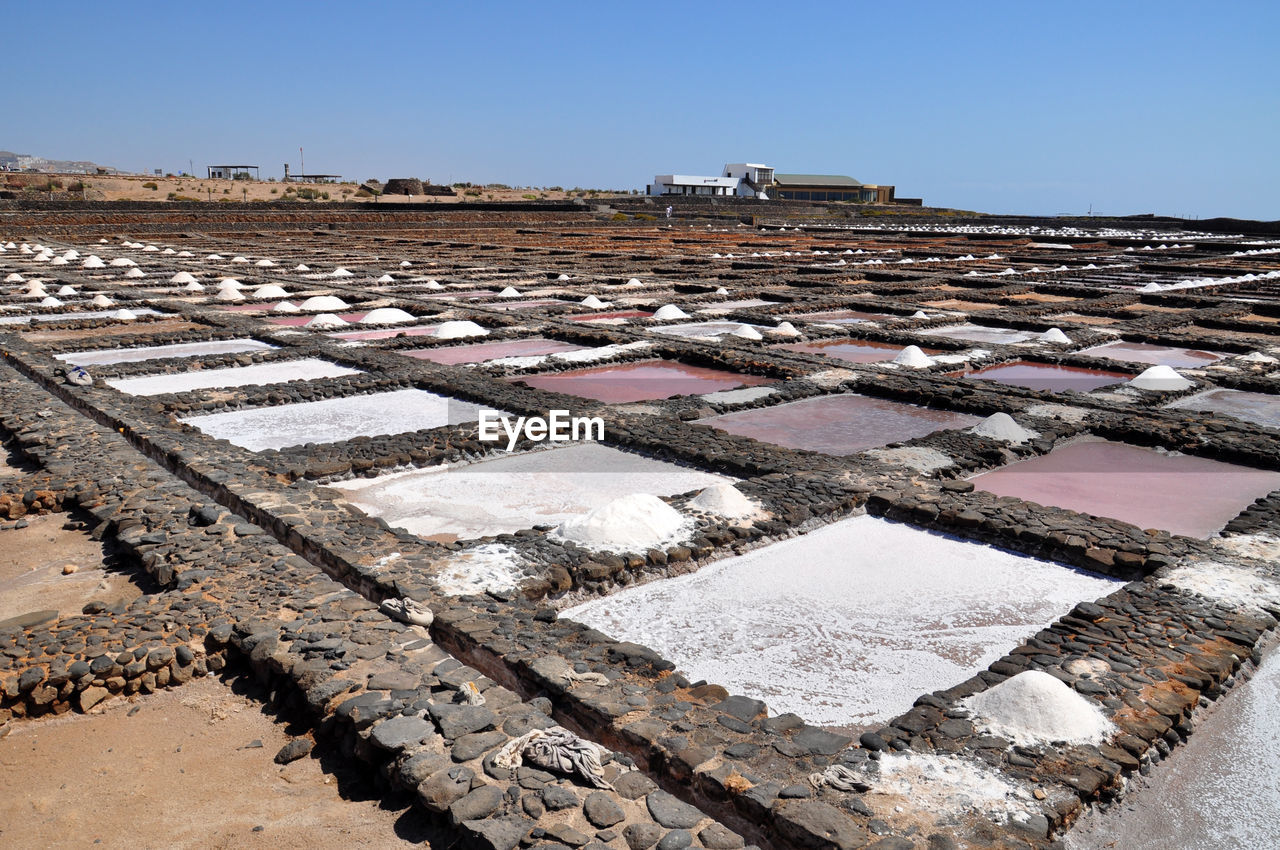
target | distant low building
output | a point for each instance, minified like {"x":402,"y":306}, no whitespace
{"x":231,"y":172}
{"x":755,"y":179}
{"x":688,"y":184}
{"x":829,"y":187}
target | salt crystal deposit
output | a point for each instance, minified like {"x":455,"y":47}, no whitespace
{"x":124,"y":315}
{"x":509,"y":292}
{"x":727,"y":501}
{"x":1036,"y":708}
{"x":786,"y":329}
{"x":386,"y":278}
{"x":270,"y":290}
{"x":912,"y":357}
{"x":631,"y":523}
{"x":592,"y":301}
{"x":1162,"y":379}
{"x":264,"y":263}
{"x":14,"y":277}
{"x":123,"y":262}
{"x":387,"y":316}
{"x":193,"y":286}
{"x":668,"y":312}
{"x":135,"y":273}
{"x":93,"y":262}
{"x":326,"y":320}
{"x":286,"y":307}
{"x":1001,"y":426}
{"x":302,"y":267}
{"x":341,"y":272}
{"x":459,"y":329}
{"x":1054,"y":335}
{"x":50,"y":301}
{"x":183,"y":277}
{"x":101,"y":300}
{"x":66,"y":290}
{"x":229,"y":294}
{"x":326,"y":303}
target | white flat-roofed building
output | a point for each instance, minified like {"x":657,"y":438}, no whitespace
{"x":689,"y":184}
{"x":755,"y":178}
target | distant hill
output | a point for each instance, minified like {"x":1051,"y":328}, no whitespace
{"x":10,"y":161}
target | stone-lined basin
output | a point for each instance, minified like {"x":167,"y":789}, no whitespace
{"x":157,"y":352}
{"x":839,"y":424}
{"x":1258,"y":408}
{"x":980,"y":333}
{"x":1156,"y":355}
{"x":644,"y":381}
{"x":1045,"y":376}
{"x":847,"y":625}
{"x":307,"y":369}
{"x":482,"y":351}
{"x":1183,"y":494}
{"x":850,"y":350}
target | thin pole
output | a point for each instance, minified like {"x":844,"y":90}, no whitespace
{"x":304,"y":161}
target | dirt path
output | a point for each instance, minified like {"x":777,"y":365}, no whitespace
{"x":180,"y":768}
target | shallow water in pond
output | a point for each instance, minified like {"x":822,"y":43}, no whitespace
{"x":839,"y":424}
{"x":480,"y":352}
{"x":847,"y":625}
{"x":844,"y":317}
{"x":299,"y":321}
{"x":1156,"y":355}
{"x":617,"y":314}
{"x":1043,"y":376}
{"x":1183,"y":494}
{"x":387,"y":333}
{"x":850,"y":351}
{"x":980,"y":333}
{"x":647,"y":381}
{"x":1258,"y":408}
{"x":307,"y":369}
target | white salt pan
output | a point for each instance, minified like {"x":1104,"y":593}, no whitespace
{"x":491,"y":567}
{"x":153,"y":352}
{"x":631,"y":523}
{"x":1036,"y":708}
{"x":261,"y":374}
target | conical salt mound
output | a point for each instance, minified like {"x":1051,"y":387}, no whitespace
{"x":93,"y":261}
{"x":913,"y":358}
{"x":193,"y":286}
{"x":724,"y":500}
{"x":270,"y":290}
{"x":387,"y":316}
{"x":101,"y":300}
{"x":509,"y":292}
{"x":285,"y":307}
{"x":919,"y":314}
{"x":458,"y":329}
{"x":745,"y":332}
{"x":66,"y":290}
{"x":721,"y":291}
{"x":1001,"y":426}
{"x":317,"y":303}
{"x":183,"y":277}
{"x":135,"y":272}
{"x":229,"y":294}
{"x":668,"y":312}
{"x":124,"y":315}
{"x":786,"y":329}
{"x":1036,"y":708}
{"x":592,"y":301}
{"x":50,"y":301}
{"x":1054,"y":335}
{"x":631,"y":523}
{"x":1162,"y":379}
{"x":326,"y":320}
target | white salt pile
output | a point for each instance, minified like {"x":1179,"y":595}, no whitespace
{"x":341,"y":272}
{"x":214,"y":257}
{"x":458,"y":329}
{"x":509,"y":292}
{"x":404,"y":264}
{"x":71,"y":254}
{"x":50,"y":301}
{"x":323,"y":302}
{"x":913,"y":358}
{"x":591,"y":301}
{"x":270,"y":290}
{"x":667,"y":312}
{"x":725,"y":500}
{"x":151,"y":248}
{"x":229,"y":294}
{"x":285,"y":307}
{"x":58,"y":261}
{"x":919,"y":314}
{"x":185,"y":254}
{"x":1036,"y":708}
{"x":745,"y":332}
{"x":122,"y":262}
{"x":721,"y":291}
{"x":1161,"y":378}
{"x":1001,"y":426}
{"x":193,"y":286}
{"x":1054,"y":335}
{"x":302,"y":267}
{"x":124,"y":315}
{"x":387,"y":316}
{"x":633,"y":282}
{"x":93,"y":261}
{"x":326,"y":320}
{"x":66,"y":290}
{"x":183,"y":277}
{"x":239,"y":259}
{"x":135,"y":272}
{"x":563,"y":277}
{"x":230,"y":283}
{"x":101,"y":300}
{"x":628,"y":524}
{"x":14,"y":277}
{"x":264,"y":263}
{"x":432,"y":283}
{"x":1257,"y":357}
{"x":386,"y":278}
{"x":786,"y":329}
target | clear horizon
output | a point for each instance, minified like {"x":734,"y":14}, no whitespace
{"x":1005,"y":107}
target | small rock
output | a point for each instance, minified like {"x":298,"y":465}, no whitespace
{"x":294,"y":750}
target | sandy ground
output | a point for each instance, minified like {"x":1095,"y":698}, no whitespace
{"x":181,"y":768}
{"x":113,"y":188}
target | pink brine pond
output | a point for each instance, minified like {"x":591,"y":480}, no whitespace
{"x":1183,"y":494}
{"x":647,"y":381}
{"x":1156,"y":355}
{"x":1044,"y":376}
{"x":480,"y":352}
{"x":839,"y":424}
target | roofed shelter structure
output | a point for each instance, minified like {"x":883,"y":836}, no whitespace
{"x":231,"y":172}
{"x":829,"y":187}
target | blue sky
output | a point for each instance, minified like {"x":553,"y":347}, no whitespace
{"x":1027,"y":107}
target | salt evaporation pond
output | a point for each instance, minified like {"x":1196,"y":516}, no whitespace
{"x":157,"y":352}
{"x":307,"y":369}
{"x":1220,"y":788}
{"x":839,"y":424}
{"x":335,"y":419}
{"x":518,"y":491}
{"x":847,"y":625}
{"x":1045,"y":376}
{"x":706,"y":330}
{"x":299,"y":321}
{"x":1183,"y":494}
{"x":480,"y":352}
{"x":387,"y":333}
{"x":1258,"y":408}
{"x":844,"y":317}
{"x":1156,"y":355}
{"x":850,"y":351}
{"x":69,"y":317}
{"x":646,"y":381}
{"x":617,"y":314}
{"x":980,"y":333}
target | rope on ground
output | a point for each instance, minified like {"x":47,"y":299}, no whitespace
{"x":558,"y":749}
{"x":839,"y":777}
{"x":573,"y":677}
